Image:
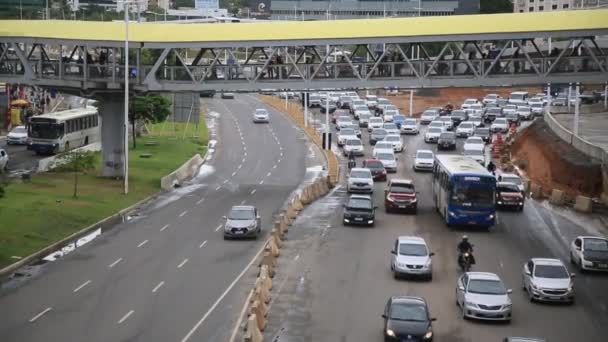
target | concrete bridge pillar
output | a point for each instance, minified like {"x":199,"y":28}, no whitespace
{"x":111,"y":110}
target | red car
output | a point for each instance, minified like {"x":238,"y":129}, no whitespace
{"x":400,"y":195}
{"x":377,"y":169}
{"x":509,"y":195}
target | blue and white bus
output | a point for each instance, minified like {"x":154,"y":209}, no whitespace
{"x":62,"y":131}
{"x":463,"y":191}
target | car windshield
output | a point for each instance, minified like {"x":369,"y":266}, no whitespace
{"x":385,"y":156}
{"x":491,"y":96}
{"x":344,"y":118}
{"x":409,"y":312}
{"x":537,"y":105}
{"x":19,"y":130}
{"x":353,"y":142}
{"x":473,"y":152}
{"x":392,"y":138}
{"x":412,"y":249}
{"x":45,"y":130}
{"x":494,"y":110}
{"x":384,"y":145}
{"x":500,"y":121}
{"x":400,"y":118}
{"x":478,"y":192}
{"x":390,"y":112}
{"x":424,"y":155}
{"x":447,"y":119}
{"x":241,"y":214}
{"x":447,"y":136}
{"x":363,"y":108}
{"x":402,"y":188}
{"x":390,"y":126}
{"x":435,"y":130}
{"x":378,"y":132}
{"x":550,"y":271}
{"x":510,"y":107}
{"x":347,"y":131}
{"x":486,"y":286}
{"x":375,"y":120}
{"x":409,"y":122}
{"x":374,"y":164}
{"x":482,"y":131}
{"x":474,"y":140}
{"x":512,"y":116}
{"x":523,"y":109}
{"x":507,"y":188}
{"x":466,"y":125}
{"x":596,"y":245}
{"x":428,"y":113}
{"x":364,"y":116}
{"x":470,"y":101}
{"x":514,"y":180}
{"x":360,"y":174}
{"x":359,"y":203}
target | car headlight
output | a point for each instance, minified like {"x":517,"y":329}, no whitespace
{"x":491,"y":216}
{"x":499,"y":202}
{"x":471,"y":304}
{"x":390,"y":332}
{"x":451,"y":213}
{"x":400,"y":265}
{"x":534,"y":287}
{"x":428,"y":335}
{"x":370,"y":183}
{"x":346,"y":220}
{"x":507,"y":306}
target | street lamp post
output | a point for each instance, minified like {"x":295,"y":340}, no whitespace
{"x":126,"y":114}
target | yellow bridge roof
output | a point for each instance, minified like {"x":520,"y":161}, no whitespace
{"x":511,"y":23}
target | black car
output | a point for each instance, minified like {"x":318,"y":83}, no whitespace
{"x":207,"y":93}
{"x":407,"y":319}
{"x":484,"y":133}
{"x":492,"y":113}
{"x":359,"y":210}
{"x":447,"y":141}
{"x":459,"y":116}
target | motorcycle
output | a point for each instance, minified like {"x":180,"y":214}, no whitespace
{"x":465,"y":261}
{"x":351,"y":163}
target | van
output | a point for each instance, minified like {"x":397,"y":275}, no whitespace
{"x":519,"y":98}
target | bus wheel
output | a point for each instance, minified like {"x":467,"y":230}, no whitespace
{"x":86,"y":141}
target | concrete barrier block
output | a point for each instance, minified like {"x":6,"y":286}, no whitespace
{"x":291,"y":212}
{"x":297,"y":204}
{"x":526,"y":185}
{"x":273,"y":248}
{"x":557,"y":197}
{"x":305,"y":197}
{"x":324,"y":187}
{"x":269,"y":260}
{"x":265,"y":277}
{"x":536,"y":190}
{"x":276,"y":237}
{"x":583,"y":204}
{"x":253,"y":331}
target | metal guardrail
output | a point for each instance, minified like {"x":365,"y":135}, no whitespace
{"x":577,"y":142}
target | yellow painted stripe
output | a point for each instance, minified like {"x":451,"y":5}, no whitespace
{"x":311,"y":30}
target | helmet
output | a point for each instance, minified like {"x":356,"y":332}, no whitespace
{"x":464,"y":237}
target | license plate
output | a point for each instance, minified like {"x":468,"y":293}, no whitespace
{"x":358,"y":219}
{"x":602,"y":265}
{"x":402,"y":206}
{"x":238,"y":232}
{"x":472,"y":222}
{"x":555,"y":298}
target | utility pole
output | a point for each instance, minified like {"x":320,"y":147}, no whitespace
{"x":576,"y":111}
{"x":305,"y":109}
{"x":126,"y":114}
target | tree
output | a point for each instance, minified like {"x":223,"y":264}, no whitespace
{"x":149,"y":109}
{"x":75,"y":161}
{"x":495,"y":6}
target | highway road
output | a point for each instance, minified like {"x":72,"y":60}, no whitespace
{"x":334,"y":281}
{"x":167,"y":274}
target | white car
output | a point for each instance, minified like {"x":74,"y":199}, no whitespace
{"x":374,"y":122}
{"x":476,"y":109}
{"x":410,"y":256}
{"x":17,"y":136}
{"x":474,"y":143}
{"x":345,"y":134}
{"x":500,"y":125}
{"x":437,"y":124}
{"x":432,"y":134}
{"x":524,"y":112}
{"x":468,"y":103}
{"x":395,"y":140}
{"x":357,"y":104}
{"x":509,"y":109}
{"x":537,"y":99}
{"x":447,"y":122}
{"x":388,"y":160}
{"x":589,"y":253}
{"x":314,"y":100}
{"x":424,"y":160}
{"x":391,"y":128}
{"x":354,"y":146}
{"x":548,"y":280}
{"x":428,"y":116}
{"x":537,"y":109}
{"x":343,"y":121}
{"x":3,"y":160}
{"x":513,"y":179}
{"x":364,"y":118}
{"x":410,"y":126}
{"x":360,"y":110}
{"x":476,"y":120}
{"x":490,"y":98}
{"x":371,"y":101}
{"x":389,"y":115}
{"x":360,"y":180}
{"x":381,"y":147}
{"x":483,"y":295}
{"x":477,"y":154}
{"x":465,"y":129}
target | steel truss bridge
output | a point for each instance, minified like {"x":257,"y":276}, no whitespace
{"x":349,"y":54}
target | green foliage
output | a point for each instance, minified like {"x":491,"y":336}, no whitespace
{"x":76,"y":162}
{"x":496,"y":6}
{"x":1,"y":190}
{"x":184,"y":3}
{"x":148,"y":109}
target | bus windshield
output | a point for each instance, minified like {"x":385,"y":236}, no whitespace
{"x":477,"y":193}
{"x":45,"y":130}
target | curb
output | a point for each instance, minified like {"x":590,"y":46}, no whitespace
{"x":105,"y":225}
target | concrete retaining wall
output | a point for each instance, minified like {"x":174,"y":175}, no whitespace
{"x":183,"y":173}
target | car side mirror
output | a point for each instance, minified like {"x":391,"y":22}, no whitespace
{"x":572,"y":275}
{"x":432,"y":253}
{"x":384,"y":316}
{"x":258,"y":217}
{"x":393,"y":252}
{"x":509,"y":291}
{"x":528,"y":272}
{"x":460,"y":288}
{"x":433,"y":319}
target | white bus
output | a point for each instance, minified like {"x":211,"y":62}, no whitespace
{"x":463,"y":191}
{"x":61,"y":131}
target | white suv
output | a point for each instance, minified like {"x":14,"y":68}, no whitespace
{"x":548,"y":280}
{"x":360,"y":180}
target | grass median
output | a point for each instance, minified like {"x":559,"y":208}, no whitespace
{"x":36,"y":214}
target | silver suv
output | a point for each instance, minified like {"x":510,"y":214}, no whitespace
{"x":243,"y":221}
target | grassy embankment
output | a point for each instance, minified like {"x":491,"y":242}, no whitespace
{"x":36,"y":214}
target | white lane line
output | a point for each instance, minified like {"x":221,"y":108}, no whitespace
{"x":268,"y":174}
{"x":238,"y":322}
{"x":142,"y":243}
{"x":218,"y":187}
{"x":253,"y":191}
{"x":281,"y":154}
{"x":124,"y":318}
{"x":243,"y":160}
{"x":81,"y":286}
{"x":182,"y":263}
{"x":202,"y":244}
{"x":33,"y":319}
{"x":281,"y":149}
{"x":183,"y":213}
{"x":245,"y":149}
{"x":275,"y":166}
{"x":224,"y":294}
{"x":200,"y":201}
{"x":245,"y":154}
{"x":240,"y":166}
{"x":158,"y":286}
{"x":278,"y":161}
{"x":234,"y":173}
{"x":115,"y":262}
{"x":297,"y":257}
{"x":262,"y":181}
{"x":165,"y":227}
{"x":218,"y":227}
{"x":243,"y":202}
{"x":225,"y":181}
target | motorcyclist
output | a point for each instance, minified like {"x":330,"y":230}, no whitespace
{"x":491,"y":167}
{"x":464,"y":246}
{"x":351,"y":160}
{"x":448,"y":108}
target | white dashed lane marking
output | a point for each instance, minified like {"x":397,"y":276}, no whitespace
{"x":253,"y":191}
{"x":33,"y":319}
{"x":158,"y":286}
{"x":115,"y":263}
{"x":218,"y":228}
{"x":124,"y":318}
{"x":142,"y":243}
{"x":202,"y":244}
{"x":182,"y":263}
{"x":164,"y":227}
{"x":82,"y":285}
{"x":183,"y":213}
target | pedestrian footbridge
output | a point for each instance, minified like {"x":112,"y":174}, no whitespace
{"x":460,"y":51}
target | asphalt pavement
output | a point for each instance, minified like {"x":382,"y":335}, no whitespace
{"x":335,"y":280}
{"x":167,"y":274}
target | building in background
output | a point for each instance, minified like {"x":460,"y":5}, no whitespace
{"x":110,"y":5}
{"x":522,"y":6}
{"x":359,"y":9}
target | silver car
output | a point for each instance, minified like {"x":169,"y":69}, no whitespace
{"x":548,"y":280}
{"x":424,"y":160}
{"x":589,"y":253}
{"x":465,"y":129}
{"x":360,"y":180}
{"x":483,"y":295}
{"x":428,"y":116}
{"x":410,"y":126}
{"x":261,"y":115}
{"x":243,"y":221}
{"x":432,"y":134}
{"x":410,"y":256}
